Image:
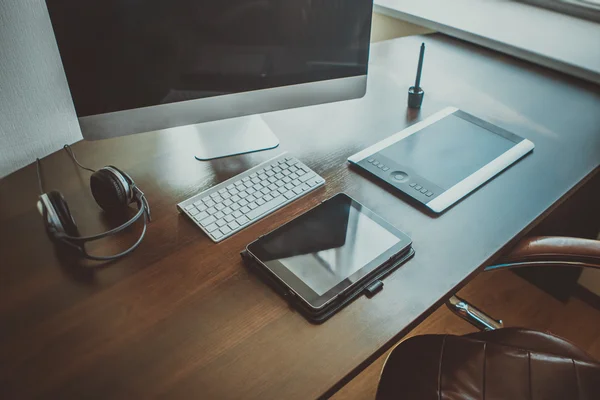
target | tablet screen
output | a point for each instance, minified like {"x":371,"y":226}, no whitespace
{"x":328,"y":245}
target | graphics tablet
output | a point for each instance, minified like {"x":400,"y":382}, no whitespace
{"x":443,"y":158}
{"x":321,"y":256}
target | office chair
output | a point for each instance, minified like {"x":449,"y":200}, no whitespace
{"x":509,"y":363}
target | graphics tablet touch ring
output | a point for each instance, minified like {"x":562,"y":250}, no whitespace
{"x":400,"y":176}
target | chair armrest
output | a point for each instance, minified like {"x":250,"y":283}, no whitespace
{"x":552,"y":250}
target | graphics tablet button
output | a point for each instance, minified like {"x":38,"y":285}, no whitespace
{"x":399,"y":176}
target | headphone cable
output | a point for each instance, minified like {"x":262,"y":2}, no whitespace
{"x":71,"y":153}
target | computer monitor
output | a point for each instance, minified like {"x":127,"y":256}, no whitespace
{"x":136,"y":66}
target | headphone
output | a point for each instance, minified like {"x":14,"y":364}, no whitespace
{"x":113,"y":191}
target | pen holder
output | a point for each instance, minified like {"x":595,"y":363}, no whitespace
{"x":415,"y":97}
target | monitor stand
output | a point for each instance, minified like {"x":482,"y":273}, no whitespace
{"x":234,"y":136}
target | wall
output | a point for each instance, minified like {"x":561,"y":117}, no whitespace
{"x":36,"y":112}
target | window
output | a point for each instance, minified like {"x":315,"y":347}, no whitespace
{"x":586,"y":9}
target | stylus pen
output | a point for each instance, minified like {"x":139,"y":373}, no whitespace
{"x":420,"y":67}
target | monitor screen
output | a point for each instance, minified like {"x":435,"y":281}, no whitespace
{"x":125,"y":54}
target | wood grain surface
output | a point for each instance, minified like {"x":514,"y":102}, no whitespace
{"x":182,"y":318}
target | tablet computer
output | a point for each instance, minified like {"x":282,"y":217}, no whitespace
{"x":324,"y":254}
{"x":443,"y":158}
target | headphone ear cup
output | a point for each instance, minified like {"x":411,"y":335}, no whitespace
{"x":64,"y":214}
{"x":108,"y":191}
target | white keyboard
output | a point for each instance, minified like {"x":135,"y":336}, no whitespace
{"x":229,"y":207}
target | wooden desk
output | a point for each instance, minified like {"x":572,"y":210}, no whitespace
{"x":182,"y":318}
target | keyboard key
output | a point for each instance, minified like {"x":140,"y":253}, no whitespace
{"x":202,"y":215}
{"x":219,"y":206}
{"x":282,"y":190}
{"x":251,"y":190}
{"x":254,"y":175}
{"x":229,"y":218}
{"x":219,"y":215}
{"x":221,"y":223}
{"x":290,"y":195}
{"x":248,"y":184}
{"x":250,"y":198}
{"x":242,"y":203}
{"x":413,"y":184}
{"x":218,"y":199}
{"x":227,"y":202}
{"x":304,"y":187}
{"x":267,"y":197}
{"x":236,"y":198}
{"x":193,"y":211}
{"x":209,"y":203}
{"x":234,"y":192}
{"x":202,"y":207}
{"x":235,"y":206}
{"x":290,"y":186}
{"x":225,"y":230}
{"x":222,"y":190}
{"x":260,"y":202}
{"x":217,"y":235}
{"x":269,"y":205}
{"x":213,"y":195}
{"x":243,"y":220}
{"x":196,"y":204}
{"x":287,"y":179}
{"x":208,"y":220}
{"x":252,"y":205}
{"x":424,"y":190}
{"x":226,"y":195}
{"x":233,"y":225}
{"x":211,"y":227}
{"x":245,"y":210}
{"x":306,"y":177}
{"x":211,"y":210}
{"x":429,"y":194}
{"x":237,"y":214}
{"x":246,"y":179}
{"x":297,"y":190}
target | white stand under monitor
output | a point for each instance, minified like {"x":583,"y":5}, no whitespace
{"x":232,"y":137}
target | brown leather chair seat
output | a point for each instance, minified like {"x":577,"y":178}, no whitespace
{"x":510,"y":364}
